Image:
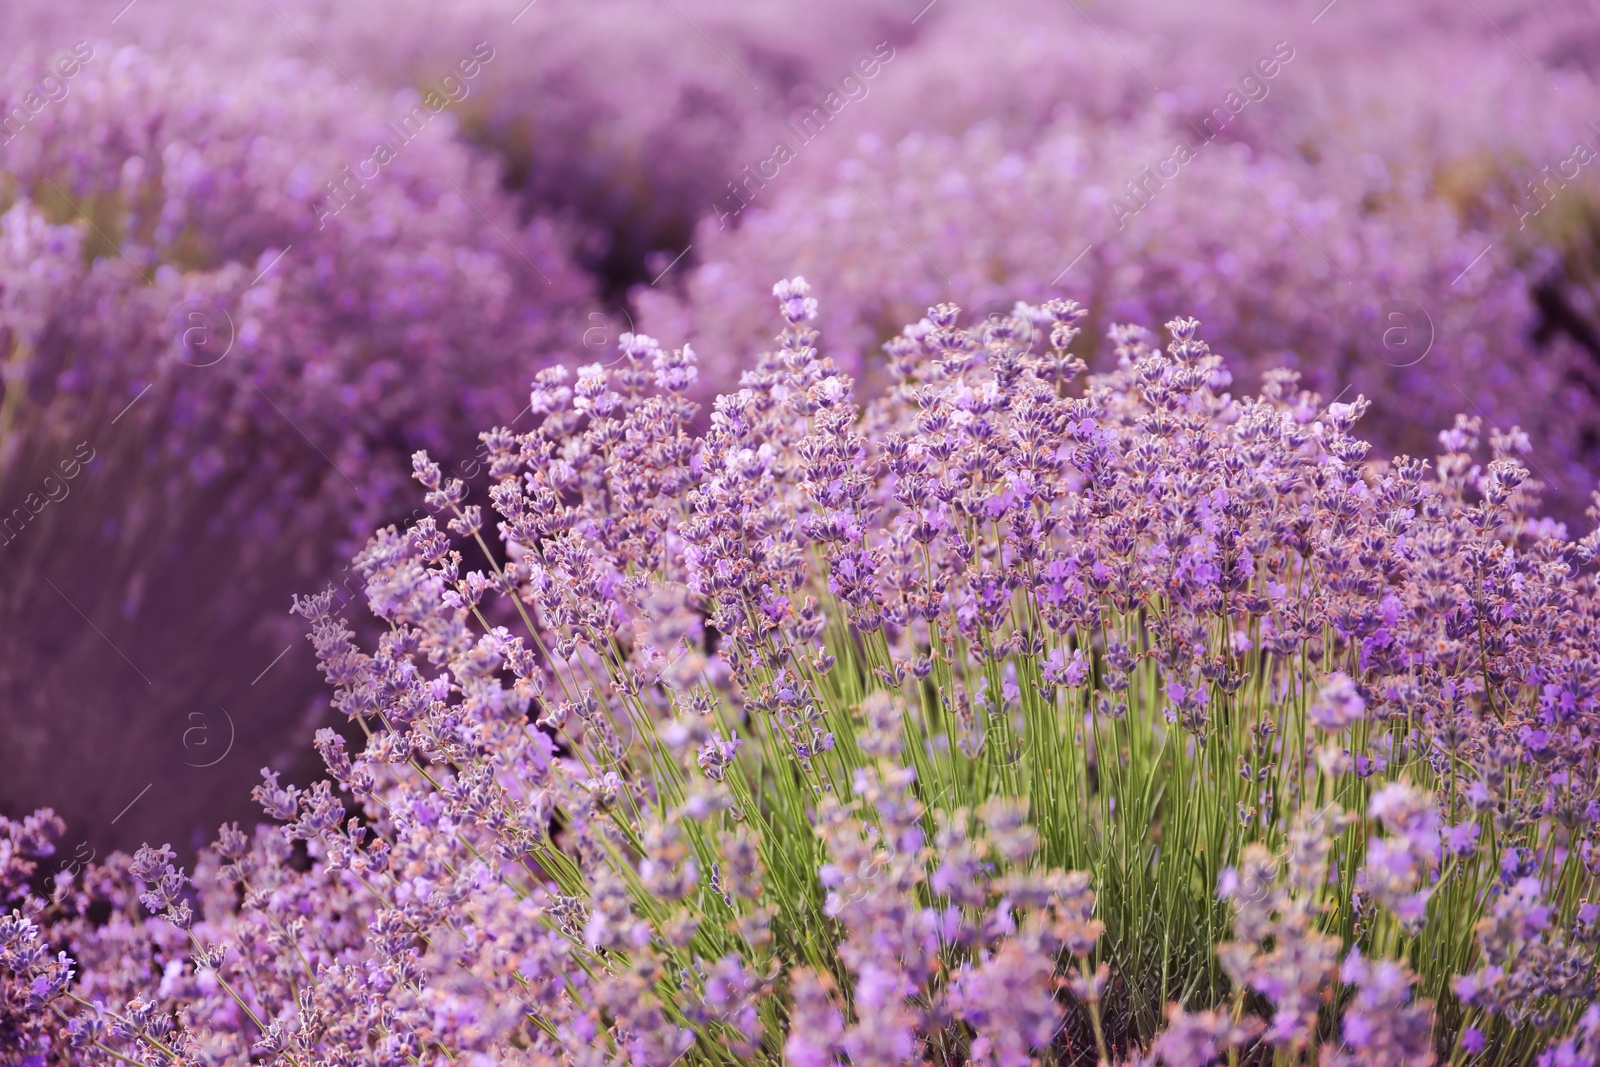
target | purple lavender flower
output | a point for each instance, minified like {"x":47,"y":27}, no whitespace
{"x":690,"y":735}
{"x":1338,"y":705}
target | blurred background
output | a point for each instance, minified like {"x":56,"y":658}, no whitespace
{"x":250,"y":259}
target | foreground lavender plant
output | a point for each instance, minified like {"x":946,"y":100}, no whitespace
{"x":1014,"y":719}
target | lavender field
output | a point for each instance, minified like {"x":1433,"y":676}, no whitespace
{"x":833,"y":534}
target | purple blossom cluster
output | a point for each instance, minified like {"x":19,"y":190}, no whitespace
{"x":901,"y":730}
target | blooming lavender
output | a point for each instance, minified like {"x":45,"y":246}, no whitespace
{"x":1018,"y":686}
{"x":738,"y":745}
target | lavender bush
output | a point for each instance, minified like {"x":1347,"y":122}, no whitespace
{"x":1021,"y":715}
{"x":249,"y":376}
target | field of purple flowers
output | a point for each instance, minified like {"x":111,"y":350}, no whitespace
{"x":833,"y":534}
